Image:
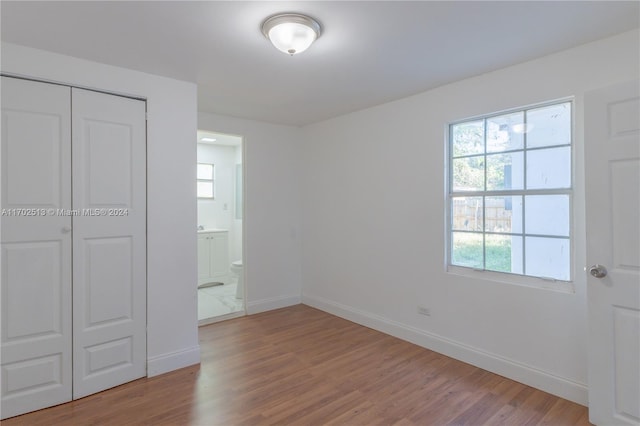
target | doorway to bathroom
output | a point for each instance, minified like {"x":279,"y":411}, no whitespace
{"x":220,"y":227}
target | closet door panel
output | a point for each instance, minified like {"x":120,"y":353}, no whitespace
{"x":109,"y":258}
{"x":36,"y":333}
{"x":106,"y":173}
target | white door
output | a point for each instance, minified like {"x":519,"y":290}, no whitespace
{"x":109,"y":241}
{"x":36,"y":246}
{"x":612,"y":147}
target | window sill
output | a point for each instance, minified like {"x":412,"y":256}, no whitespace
{"x":514,"y":279}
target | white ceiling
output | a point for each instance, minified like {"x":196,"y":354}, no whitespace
{"x":369,"y":52}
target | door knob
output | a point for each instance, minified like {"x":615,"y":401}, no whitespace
{"x":66,"y":229}
{"x":598,"y":271}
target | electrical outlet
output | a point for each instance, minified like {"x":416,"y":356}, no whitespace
{"x":423,"y":310}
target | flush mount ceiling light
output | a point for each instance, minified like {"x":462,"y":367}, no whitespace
{"x":291,"y":33}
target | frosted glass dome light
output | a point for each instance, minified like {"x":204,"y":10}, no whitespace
{"x":291,"y":33}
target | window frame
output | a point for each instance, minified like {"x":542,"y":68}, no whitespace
{"x":566,"y":286}
{"x":212,"y":181}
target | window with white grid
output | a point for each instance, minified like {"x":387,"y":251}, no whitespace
{"x":510,"y":192}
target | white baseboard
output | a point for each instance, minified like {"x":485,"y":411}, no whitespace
{"x":531,"y":376}
{"x":264,"y":305}
{"x":164,"y":363}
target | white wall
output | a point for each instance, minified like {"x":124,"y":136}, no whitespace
{"x":373,"y":222}
{"x":172,"y":338}
{"x":272,"y":198}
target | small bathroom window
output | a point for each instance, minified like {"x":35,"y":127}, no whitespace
{"x":205,"y":180}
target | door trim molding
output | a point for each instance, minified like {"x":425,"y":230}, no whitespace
{"x":60,"y":83}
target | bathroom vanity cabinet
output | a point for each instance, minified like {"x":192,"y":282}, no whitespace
{"x":213,"y":256}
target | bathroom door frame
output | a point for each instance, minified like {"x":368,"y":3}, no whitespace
{"x":243,"y":254}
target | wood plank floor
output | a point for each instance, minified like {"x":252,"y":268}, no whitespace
{"x":301,"y":366}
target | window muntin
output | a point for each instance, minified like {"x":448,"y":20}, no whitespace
{"x":510,"y":188}
{"x":205,"y":180}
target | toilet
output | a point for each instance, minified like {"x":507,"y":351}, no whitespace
{"x":236,"y":269}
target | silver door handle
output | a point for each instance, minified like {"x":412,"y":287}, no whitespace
{"x":598,"y":271}
{"x":66,"y":229}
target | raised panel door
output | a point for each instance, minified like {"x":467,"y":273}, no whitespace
{"x":36,"y":246}
{"x":109,"y":240}
{"x":612,"y":148}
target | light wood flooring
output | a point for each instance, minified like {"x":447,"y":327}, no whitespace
{"x":301,"y":366}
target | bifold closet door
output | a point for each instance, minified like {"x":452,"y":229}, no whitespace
{"x":36,"y":246}
{"x":109,"y":241}
{"x":73,"y":271}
